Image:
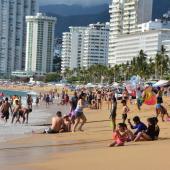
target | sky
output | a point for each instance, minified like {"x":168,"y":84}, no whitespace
{"x":70,"y":2}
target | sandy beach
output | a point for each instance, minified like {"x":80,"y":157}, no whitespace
{"x":89,"y":150}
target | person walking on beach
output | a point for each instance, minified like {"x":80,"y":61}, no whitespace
{"x":99,"y":99}
{"x":5,"y":110}
{"x":79,"y":115}
{"x":37,"y":101}
{"x":16,"y":114}
{"x":125,"y":110}
{"x":29,"y":101}
{"x":113,"y":111}
{"x":47,"y":100}
{"x":109,"y":98}
{"x":139,"y":98}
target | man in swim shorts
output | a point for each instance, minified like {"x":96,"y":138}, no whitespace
{"x":5,"y":109}
{"x":57,"y":124}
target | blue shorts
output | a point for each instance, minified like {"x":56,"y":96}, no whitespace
{"x":158,"y":106}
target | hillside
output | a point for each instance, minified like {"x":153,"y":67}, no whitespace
{"x":76,"y":15}
{"x":63,"y":22}
{"x":71,"y":10}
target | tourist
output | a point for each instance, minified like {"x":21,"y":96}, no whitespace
{"x":125,"y":110}
{"x":67,"y":124}
{"x":90,"y":97}
{"x":5,"y":109}
{"x":57,"y":124}
{"x":121,"y":135}
{"x":29,"y":101}
{"x":66,"y":99}
{"x":79,"y":115}
{"x":73,"y":105}
{"x":16,"y":109}
{"x":139,"y":98}
{"x":160,"y":109}
{"x":125,"y":94}
{"x":139,"y":126}
{"x":24,"y":113}
{"x":99,"y":100}
{"x":47,"y":100}
{"x":37,"y":100}
{"x":157,"y":129}
{"x":113,"y":111}
{"x":109,"y":98}
{"x":150,"y":134}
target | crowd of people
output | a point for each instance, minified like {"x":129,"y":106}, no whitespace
{"x":13,"y":106}
{"x":95,"y":98}
{"x":75,"y":119}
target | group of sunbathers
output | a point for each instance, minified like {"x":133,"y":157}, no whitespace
{"x":142,"y":132}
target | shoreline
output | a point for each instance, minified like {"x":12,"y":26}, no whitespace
{"x":39,"y":119}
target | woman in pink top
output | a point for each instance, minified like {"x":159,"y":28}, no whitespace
{"x":121,"y":135}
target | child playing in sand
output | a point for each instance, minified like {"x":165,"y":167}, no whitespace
{"x":121,"y":135}
{"x":125,"y":110}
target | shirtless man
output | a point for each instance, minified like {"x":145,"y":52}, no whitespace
{"x":16,"y":112}
{"x":24,"y":113}
{"x":57,"y":124}
{"x":5,"y":109}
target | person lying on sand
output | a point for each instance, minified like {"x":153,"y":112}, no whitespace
{"x":57,"y":124}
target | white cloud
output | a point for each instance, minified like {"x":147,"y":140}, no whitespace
{"x":70,"y":2}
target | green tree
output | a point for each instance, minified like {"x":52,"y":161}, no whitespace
{"x":52,"y":77}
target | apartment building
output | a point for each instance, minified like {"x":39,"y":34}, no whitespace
{"x":13,"y":33}
{"x":85,"y":46}
{"x":40,"y":43}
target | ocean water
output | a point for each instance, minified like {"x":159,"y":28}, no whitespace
{"x":38,"y":116}
{"x":14,"y":92}
{"x":23,"y":94}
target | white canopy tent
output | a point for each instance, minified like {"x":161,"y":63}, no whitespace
{"x":162,"y":83}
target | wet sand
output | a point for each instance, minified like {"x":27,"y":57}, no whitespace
{"x":88,"y":150}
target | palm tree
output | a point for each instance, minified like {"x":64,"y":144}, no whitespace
{"x":162,"y":63}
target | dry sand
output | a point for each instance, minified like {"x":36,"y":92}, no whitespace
{"x":88,"y":150}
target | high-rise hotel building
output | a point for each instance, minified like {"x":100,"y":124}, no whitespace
{"x":13,"y":33}
{"x":40,"y":43}
{"x":126,"y":16}
{"x":85,"y":46}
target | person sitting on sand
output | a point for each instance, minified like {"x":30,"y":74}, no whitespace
{"x":139,"y":126}
{"x":149,"y":134}
{"x":67,"y":124}
{"x":121,"y":135}
{"x":157,"y":129}
{"x":57,"y":124}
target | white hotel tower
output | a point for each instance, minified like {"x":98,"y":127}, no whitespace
{"x":125,"y":15}
{"x":12,"y":33}
{"x":85,"y":46}
{"x":40,"y":43}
